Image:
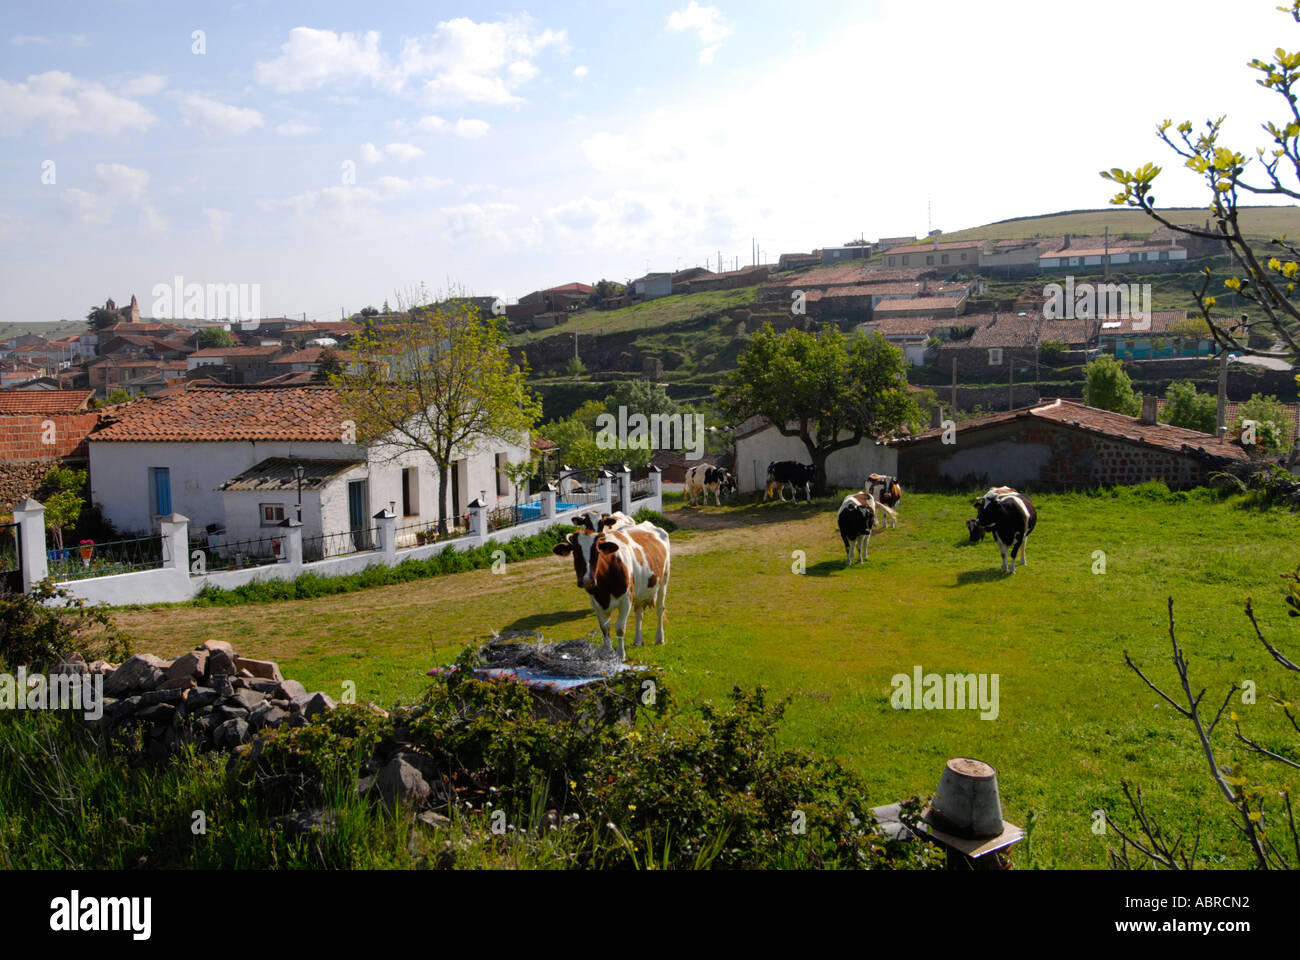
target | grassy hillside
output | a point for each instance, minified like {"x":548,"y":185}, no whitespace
{"x":1257,"y":222}
{"x":648,"y":315}
{"x":1072,"y":722}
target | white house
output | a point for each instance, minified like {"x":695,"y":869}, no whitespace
{"x":225,"y":456}
{"x":758,"y":443}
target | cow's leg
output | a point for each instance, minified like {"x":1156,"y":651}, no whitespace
{"x":661,"y":598}
{"x":1024,"y":548}
{"x":602,"y":617}
{"x":624,"y":608}
{"x":866,"y":546}
{"x":639,"y":612}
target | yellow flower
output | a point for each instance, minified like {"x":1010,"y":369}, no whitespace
{"x":1209,"y":303}
{"x":1232,"y":283}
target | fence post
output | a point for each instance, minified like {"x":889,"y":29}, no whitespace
{"x":175,"y":532}
{"x":625,"y":488}
{"x":387,"y":524}
{"x":603,"y":483}
{"x":656,"y":489}
{"x":30,"y":517}
{"x":291,"y":541}
{"x":478,"y":520}
{"x":548,"y":503}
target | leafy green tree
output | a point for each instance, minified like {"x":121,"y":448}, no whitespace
{"x":1272,"y":423}
{"x":369,"y":312}
{"x":441,"y":383}
{"x":330,"y":364}
{"x":64,"y":501}
{"x":575,"y":443}
{"x":117,"y":396}
{"x":210,"y":337}
{"x":1108,"y":387}
{"x":1264,"y":277}
{"x":820,"y":388}
{"x":1187,"y":408}
{"x":641,"y":396}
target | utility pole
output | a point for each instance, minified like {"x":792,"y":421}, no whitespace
{"x":954,"y":385}
{"x":1223,"y":394}
{"x":1105,"y":260}
{"x":1011,"y":387}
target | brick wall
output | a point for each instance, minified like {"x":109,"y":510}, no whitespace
{"x":22,"y":436}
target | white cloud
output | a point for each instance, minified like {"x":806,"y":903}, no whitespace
{"x":123,"y":186}
{"x":432,"y":124}
{"x":64,"y":106}
{"x":339,"y":209}
{"x":707,"y":24}
{"x":462,"y":61}
{"x":401,"y":152}
{"x":293,"y":128}
{"x":471,"y":129}
{"x":218,"y":220}
{"x":145,"y":85}
{"x":580,"y":72}
{"x":215,"y":117}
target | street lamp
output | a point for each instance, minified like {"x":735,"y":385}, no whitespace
{"x":298,"y":472}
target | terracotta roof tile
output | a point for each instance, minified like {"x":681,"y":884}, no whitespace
{"x":229,"y":413}
{"x":44,"y":401}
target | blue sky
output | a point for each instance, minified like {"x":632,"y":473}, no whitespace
{"x":339,"y":154}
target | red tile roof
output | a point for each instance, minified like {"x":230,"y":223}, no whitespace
{"x":44,"y":401}
{"x":237,"y":351}
{"x":907,"y":326}
{"x":229,"y":413}
{"x":1115,"y":426}
{"x":1162,"y":321}
{"x":1008,"y":330}
{"x":947,"y":305}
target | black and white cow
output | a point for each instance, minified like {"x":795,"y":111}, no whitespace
{"x":888,"y":494}
{"x":704,"y":478}
{"x":789,"y":473}
{"x":1010,"y":517}
{"x":856,"y":518}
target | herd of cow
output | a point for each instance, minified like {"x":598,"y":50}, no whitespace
{"x":624,"y":566}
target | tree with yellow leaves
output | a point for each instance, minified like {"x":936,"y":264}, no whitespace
{"x":438,"y":378}
{"x":1265,"y":278}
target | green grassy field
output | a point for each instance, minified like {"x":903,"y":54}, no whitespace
{"x":1256,"y":222}
{"x":649,"y":315}
{"x":1073,"y":720}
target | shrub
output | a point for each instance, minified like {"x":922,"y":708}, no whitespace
{"x":1187,"y":408}
{"x":655,"y":517}
{"x":1108,"y":387}
{"x":1052,"y":351}
{"x":37,"y":635}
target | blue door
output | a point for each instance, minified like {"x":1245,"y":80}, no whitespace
{"x":162,"y":491}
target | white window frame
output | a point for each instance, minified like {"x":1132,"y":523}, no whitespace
{"x":995,"y":356}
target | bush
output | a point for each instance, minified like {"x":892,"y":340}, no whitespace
{"x":1187,"y":408}
{"x":1052,"y":351}
{"x":310,"y":585}
{"x":655,"y":517}
{"x":36,"y":635}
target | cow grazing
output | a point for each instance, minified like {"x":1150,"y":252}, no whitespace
{"x":887,"y":493}
{"x":788,"y":473}
{"x":704,"y":478}
{"x":622,"y":569}
{"x":1010,"y":517}
{"x":856,"y":518}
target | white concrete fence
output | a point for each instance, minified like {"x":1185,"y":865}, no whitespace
{"x":180,"y":576}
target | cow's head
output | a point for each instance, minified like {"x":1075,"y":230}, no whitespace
{"x":975,"y":530}
{"x":986,"y":511}
{"x":583,"y":545}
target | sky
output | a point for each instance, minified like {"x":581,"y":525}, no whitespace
{"x":336,"y":155}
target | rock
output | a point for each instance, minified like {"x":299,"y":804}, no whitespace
{"x":378,"y":709}
{"x":161,"y":696}
{"x":229,"y":712}
{"x":101,"y":667}
{"x":248,"y":699}
{"x":180,"y":683}
{"x":265,"y":687}
{"x":312,"y":704}
{"x":223,"y":685}
{"x":266,"y":716}
{"x":307,"y":821}
{"x":157,"y":713}
{"x":401,"y":783}
{"x":143,"y":672}
{"x":264,"y":669}
{"x":202,"y":697}
{"x":74,"y":665}
{"x":193,"y":664}
{"x":364,"y":784}
{"x":243,"y":673}
{"x":292,"y":690}
{"x":221,"y":664}
{"x":230,"y":734}
{"x":435,"y":820}
{"x":211,"y":646}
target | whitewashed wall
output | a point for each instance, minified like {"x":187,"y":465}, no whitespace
{"x":844,"y":468}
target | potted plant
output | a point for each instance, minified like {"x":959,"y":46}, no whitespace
{"x":87,"y":550}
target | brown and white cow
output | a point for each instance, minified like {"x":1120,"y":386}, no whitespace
{"x":623,"y":569}
{"x":615,"y":521}
{"x":887,"y":493}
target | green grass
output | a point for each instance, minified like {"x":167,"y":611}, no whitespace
{"x":1073,"y":719}
{"x":1256,"y":222}
{"x":649,"y":315}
